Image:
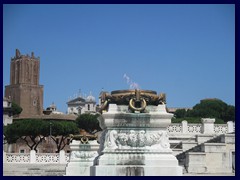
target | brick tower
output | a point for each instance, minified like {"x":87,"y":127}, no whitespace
{"x":24,"y":88}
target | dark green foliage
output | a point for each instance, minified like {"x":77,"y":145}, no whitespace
{"x":213,"y":108}
{"x":230,"y":113}
{"x":32,"y":131}
{"x":9,"y":133}
{"x":16,"y":109}
{"x":188,"y":119}
{"x":208,"y":108}
{"x":180,"y":113}
{"x":63,"y":128}
{"x":194,"y":120}
{"x":60,"y":131}
{"x":88,"y":122}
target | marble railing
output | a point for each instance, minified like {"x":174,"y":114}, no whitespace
{"x":17,"y":158}
{"x":47,"y":158}
{"x":34,"y":157}
{"x":184,"y":127}
{"x":221,"y":128}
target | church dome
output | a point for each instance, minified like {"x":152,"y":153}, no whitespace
{"x":90,"y":98}
{"x":52,"y":107}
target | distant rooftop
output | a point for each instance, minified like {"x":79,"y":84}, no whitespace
{"x":67,"y":117}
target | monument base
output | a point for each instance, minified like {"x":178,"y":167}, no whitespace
{"x":135,"y":144}
{"x":133,"y":170}
{"x":81,"y":158}
{"x":164,"y":164}
{"x":78,"y":169}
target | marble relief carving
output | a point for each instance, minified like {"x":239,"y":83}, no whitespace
{"x":83,"y":154}
{"x":138,"y":139}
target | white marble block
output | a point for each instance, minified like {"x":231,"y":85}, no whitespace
{"x":81,"y":158}
{"x":208,"y":125}
{"x":135,"y":144}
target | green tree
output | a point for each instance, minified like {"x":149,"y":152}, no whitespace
{"x":212,"y":108}
{"x":230,"y":113}
{"x":16,"y":109}
{"x":32,"y":131}
{"x":88,"y":122}
{"x":9,"y":133}
{"x":207,"y":108}
{"x":180,"y":113}
{"x":60,"y":131}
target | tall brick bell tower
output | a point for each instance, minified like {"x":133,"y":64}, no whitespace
{"x":24,"y":88}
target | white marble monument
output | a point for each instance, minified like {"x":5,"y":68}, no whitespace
{"x":134,"y":140}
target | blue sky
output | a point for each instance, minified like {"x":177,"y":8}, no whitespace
{"x":186,"y":51}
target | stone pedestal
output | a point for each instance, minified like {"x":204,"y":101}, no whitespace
{"x":135,"y":144}
{"x":208,"y":125}
{"x":81,"y":158}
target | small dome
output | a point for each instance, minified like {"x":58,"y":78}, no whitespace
{"x":53,"y":105}
{"x":90,"y":98}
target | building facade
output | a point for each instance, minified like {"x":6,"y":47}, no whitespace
{"x":80,"y":105}
{"x":24,"y":88}
{"x":52,"y":109}
{"x":7,"y":111}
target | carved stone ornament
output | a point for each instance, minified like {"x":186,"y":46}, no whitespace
{"x":83,"y":154}
{"x":139,"y":139}
{"x":83,"y":138}
{"x":136,"y":99}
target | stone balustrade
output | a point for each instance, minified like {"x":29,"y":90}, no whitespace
{"x":206,"y":127}
{"x":34,"y":157}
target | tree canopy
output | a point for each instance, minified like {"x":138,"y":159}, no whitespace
{"x":88,"y":122}
{"x":60,"y":131}
{"x":180,"y":113}
{"x":209,"y":108}
{"x":33,"y":131}
{"x":16,"y":109}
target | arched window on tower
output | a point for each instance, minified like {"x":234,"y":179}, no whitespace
{"x":88,"y":106}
